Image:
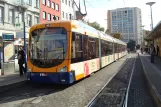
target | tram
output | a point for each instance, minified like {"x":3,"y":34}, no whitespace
{"x":63,"y":52}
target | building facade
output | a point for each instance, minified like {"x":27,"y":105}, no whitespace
{"x":67,"y":10}
{"x":13,"y":14}
{"x":50,"y":9}
{"x":126,"y":21}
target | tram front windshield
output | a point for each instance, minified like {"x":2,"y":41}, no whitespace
{"x":48,"y":47}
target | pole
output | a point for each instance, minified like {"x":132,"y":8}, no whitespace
{"x":24,"y":40}
{"x":151,"y":18}
{"x":25,"y":47}
{"x":151,"y":21}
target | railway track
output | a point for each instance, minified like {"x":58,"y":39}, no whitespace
{"x":114,"y":92}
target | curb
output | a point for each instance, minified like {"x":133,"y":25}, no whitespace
{"x":12,"y":86}
{"x":153,"y":91}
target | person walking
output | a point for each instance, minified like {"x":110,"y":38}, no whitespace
{"x":21,"y":61}
{"x":152,"y":52}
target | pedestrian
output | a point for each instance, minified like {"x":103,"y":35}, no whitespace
{"x":21,"y":61}
{"x":152,"y":52}
{"x":142,"y":50}
{"x":158,"y":50}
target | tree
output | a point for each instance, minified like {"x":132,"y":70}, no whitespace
{"x":95,"y":25}
{"x":107,"y":32}
{"x":117,"y":35}
{"x":146,"y":32}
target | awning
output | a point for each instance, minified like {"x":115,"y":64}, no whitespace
{"x":155,"y":33}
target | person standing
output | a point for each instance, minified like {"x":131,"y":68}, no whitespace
{"x":21,"y":61}
{"x":158,"y":50}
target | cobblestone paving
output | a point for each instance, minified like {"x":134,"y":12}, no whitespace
{"x":139,"y":95}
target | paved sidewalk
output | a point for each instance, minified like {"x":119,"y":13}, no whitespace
{"x":157,"y":60}
{"x":153,"y":73}
{"x":12,"y":80}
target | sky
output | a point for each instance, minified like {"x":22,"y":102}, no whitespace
{"x":97,"y":10}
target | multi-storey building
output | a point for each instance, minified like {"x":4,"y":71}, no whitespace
{"x":49,"y":9}
{"x":67,"y":10}
{"x":126,"y":21}
{"x":13,"y":14}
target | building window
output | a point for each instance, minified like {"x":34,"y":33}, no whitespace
{"x":44,"y":2}
{"x":11,"y":16}
{"x":36,"y":20}
{"x":54,"y":18}
{"x":49,"y":16}
{"x":70,"y":16}
{"x":44,"y":15}
{"x":67,"y":16}
{"x":29,"y":22}
{"x":62,"y":14}
{"x":57,"y":7}
{"x":37,"y":3}
{"x":53,"y":5}
{"x":20,"y":17}
{"x":49,"y":3}
{"x":69,"y":3}
{"x":57,"y":18}
{"x":66,"y":2}
{"x":1,"y":15}
{"x":29,"y":2}
{"x":72,"y":5}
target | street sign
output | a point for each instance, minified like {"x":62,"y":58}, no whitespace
{"x":19,"y":26}
{"x":8,"y":37}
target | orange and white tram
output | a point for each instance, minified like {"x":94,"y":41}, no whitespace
{"x":66,"y":51}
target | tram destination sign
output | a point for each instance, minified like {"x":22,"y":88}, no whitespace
{"x":8,"y":37}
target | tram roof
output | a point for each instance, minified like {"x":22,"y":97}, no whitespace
{"x":121,"y":42}
{"x":79,"y":26}
{"x":105,"y":36}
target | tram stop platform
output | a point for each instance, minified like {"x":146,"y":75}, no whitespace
{"x":152,"y":73}
{"x":10,"y":81}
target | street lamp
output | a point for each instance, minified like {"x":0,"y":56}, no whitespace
{"x":142,"y":34}
{"x":150,"y":4}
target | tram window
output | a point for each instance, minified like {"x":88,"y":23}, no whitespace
{"x":110,"y":48}
{"x":116,"y":49}
{"x":91,"y":48}
{"x":77,"y":53}
{"x":97,"y":48}
{"x":104,"y":48}
{"x":78,"y":46}
{"x":85,"y":47}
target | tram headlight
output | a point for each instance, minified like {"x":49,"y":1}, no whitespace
{"x":64,"y":69}
{"x":28,"y":70}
